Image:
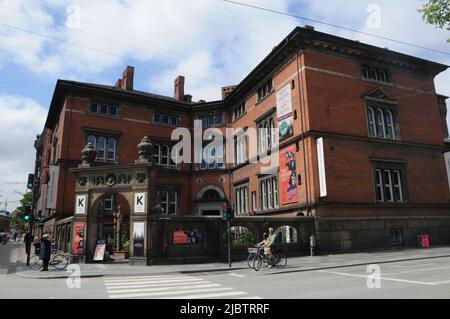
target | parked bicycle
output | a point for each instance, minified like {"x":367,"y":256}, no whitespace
{"x":278,"y":258}
{"x":58,"y":260}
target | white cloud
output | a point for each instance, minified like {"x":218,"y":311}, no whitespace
{"x":21,"y":120}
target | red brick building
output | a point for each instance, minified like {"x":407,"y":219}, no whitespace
{"x":360,"y":129}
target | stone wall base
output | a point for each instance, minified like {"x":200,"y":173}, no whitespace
{"x":356,"y":234}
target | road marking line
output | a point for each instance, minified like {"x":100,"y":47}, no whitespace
{"x":410,"y":266}
{"x":159,"y":285}
{"x":416,"y":270}
{"x":151,"y":281}
{"x":162,"y":293}
{"x":255,"y":297}
{"x":236,"y":275}
{"x":145,"y":289}
{"x":146,"y":278}
{"x":382,"y":278}
{"x":203,"y":296}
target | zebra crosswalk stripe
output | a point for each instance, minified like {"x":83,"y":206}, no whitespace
{"x":173,"y":286}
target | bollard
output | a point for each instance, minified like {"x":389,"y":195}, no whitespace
{"x":312,"y":244}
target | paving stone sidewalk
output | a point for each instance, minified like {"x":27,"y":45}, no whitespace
{"x":295,"y":264}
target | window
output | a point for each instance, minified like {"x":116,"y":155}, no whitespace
{"x":102,"y":108}
{"x":212,"y":119}
{"x":101,"y":144}
{"x":108,"y":203}
{"x":166,"y":119}
{"x":381,"y":123}
{"x":111,"y":155}
{"x":168,"y":201}
{"x":106,"y":147}
{"x":211,"y":160}
{"x":241,"y":194}
{"x":267,"y":134}
{"x":238,"y":111}
{"x":265,"y":89}
{"x":254,"y":201}
{"x":388,"y":185}
{"x":241,"y":148}
{"x":162,"y":155}
{"x":376,"y":74}
{"x":269,"y":192}
{"x":396,"y":237}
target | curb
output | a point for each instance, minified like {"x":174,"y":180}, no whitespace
{"x":211,"y":270}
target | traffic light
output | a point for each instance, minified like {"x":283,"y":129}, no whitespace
{"x":228,"y":214}
{"x":26,"y":213}
{"x":30,"y":181}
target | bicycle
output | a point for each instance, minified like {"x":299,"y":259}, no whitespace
{"x":253,"y":251}
{"x":58,"y":260}
{"x":278,"y":259}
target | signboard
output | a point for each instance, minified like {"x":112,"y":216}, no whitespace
{"x":321,"y":167}
{"x":52,"y":187}
{"x":139,"y":202}
{"x":179,"y":237}
{"x":100,"y":250}
{"x":80,"y":204}
{"x":186,"y":237}
{"x":447,"y":165}
{"x":138,"y":239}
{"x":288,"y":175}
{"x":284,"y":113}
{"x":79,"y":238}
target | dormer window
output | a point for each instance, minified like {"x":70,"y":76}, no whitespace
{"x":375,"y":74}
{"x":102,"y":108}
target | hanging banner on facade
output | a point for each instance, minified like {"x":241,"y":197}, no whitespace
{"x":52,"y":187}
{"x":447,"y":165}
{"x":138,"y":239}
{"x":288,"y":175}
{"x":81,"y":204}
{"x":100,"y":250}
{"x":321,"y":167}
{"x":79,"y":239}
{"x":139,"y":202}
{"x":284,"y":113}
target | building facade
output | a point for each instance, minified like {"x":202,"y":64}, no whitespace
{"x":357,"y":134}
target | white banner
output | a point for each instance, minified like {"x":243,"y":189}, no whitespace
{"x":80,"y":204}
{"x":52,"y":188}
{"x":139,"y":202}
{"x":284,"y":113}
{"x":321,"y":166}
{"x":447,"y":165}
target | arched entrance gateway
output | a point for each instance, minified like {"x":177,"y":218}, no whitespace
{"x":112,"y":207}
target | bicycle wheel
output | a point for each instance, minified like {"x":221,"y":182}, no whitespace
{"x":35,"y":262}
{"x":257,"y":262}
{"x":281,"y":260}
{"x":250,"y":259}
{"x":60,"y":261}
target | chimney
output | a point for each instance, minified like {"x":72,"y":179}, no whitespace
{"x":188,"y":98}
{"x":226,"y":90}
{"x":126,"y":82}
{"x":178,"y":86}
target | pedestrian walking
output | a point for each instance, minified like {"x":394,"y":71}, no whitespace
{"x":15,"y":236}
{"x":46,"y":251}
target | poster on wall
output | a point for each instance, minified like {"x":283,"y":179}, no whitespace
{"x":100,"y":250}
{"x":139,"y":202}
{"x":184,"y":236}
{"x":321,"y":167}
{"x":284,"y":113}
{"x":447,"y":165}
{"x":138,"y":239}
{"x":288,"y":175}
{"x":78,"y":238}
{"x":81,"y":202}
{"x":52,"y":186}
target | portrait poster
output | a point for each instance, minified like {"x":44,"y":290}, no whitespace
{"x":79,"y":239}
{"x":99,"y":250}
{"x":288,"y":175}
{"x":284,"y":113}
{"x":138,"y":239}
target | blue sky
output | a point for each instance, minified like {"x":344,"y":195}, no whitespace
{"x":212,"y":43}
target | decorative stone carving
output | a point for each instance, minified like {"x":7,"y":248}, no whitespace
{"x":140,"y":177}
{"x":111,"y":180}
{"x":88,"y":154}
{"x":82,"y":181}
{"x":145,"y":149}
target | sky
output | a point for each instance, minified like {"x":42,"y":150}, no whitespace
{"x":213,"y":43}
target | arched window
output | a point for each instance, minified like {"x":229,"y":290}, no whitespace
{"x":92,"y":140}
{"x":157,"y":154}
{"x":101,"y":148}
{"x":389,"y":124}
{"x":371,"y":120}
{"x":111,"y":149}
{"x":380,"y":123}
{"x":211,"y":195}
{"x":165,"y":155}
{"x":273,"y":133}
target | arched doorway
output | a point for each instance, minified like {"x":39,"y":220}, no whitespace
{"x":210,"y":200}
{"x":109,"y":220}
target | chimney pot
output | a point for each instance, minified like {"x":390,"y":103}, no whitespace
{"x":188,"y":98}
{"x":178,"y":85}
{"x":126,"y":82}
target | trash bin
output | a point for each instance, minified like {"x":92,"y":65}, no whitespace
{"x":425,"y":241}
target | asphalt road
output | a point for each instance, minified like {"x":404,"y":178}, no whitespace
{"x":424,"y":278}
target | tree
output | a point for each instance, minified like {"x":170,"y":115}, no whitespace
{"x":437,"y":13}
{"x":17,"y":220}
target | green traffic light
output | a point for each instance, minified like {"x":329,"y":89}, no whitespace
{"x":27,"y":217}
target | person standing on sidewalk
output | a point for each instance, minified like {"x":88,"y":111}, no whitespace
{"x":46,"y":251}
{"x":27,"y":240}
